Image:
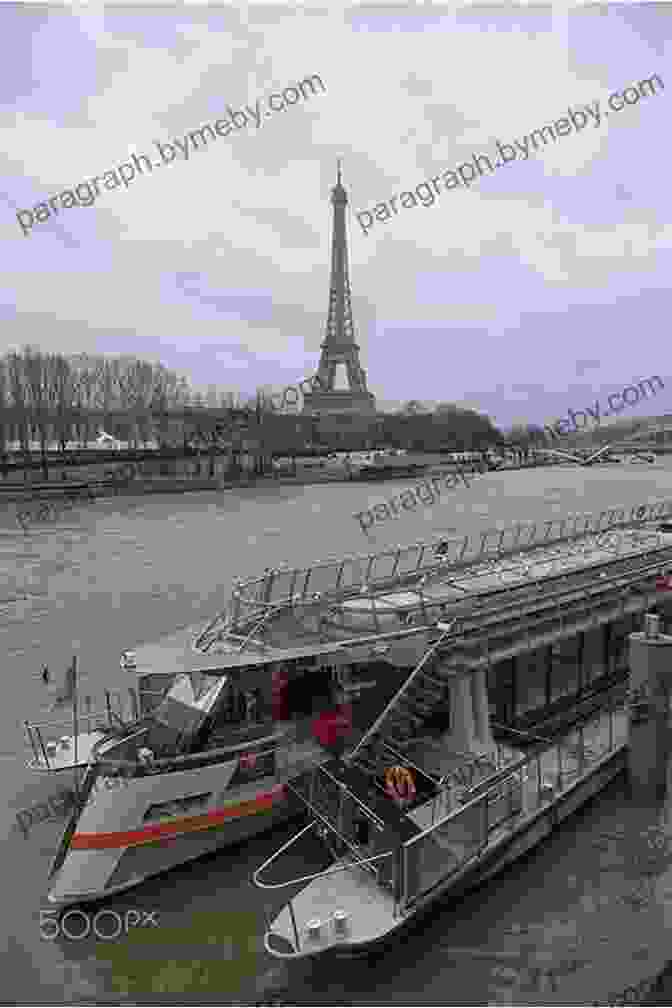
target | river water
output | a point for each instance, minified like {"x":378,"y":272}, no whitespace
{"x":579,"y":919}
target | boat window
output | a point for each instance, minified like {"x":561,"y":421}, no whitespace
{"x":564,"y":668}
{"x":530,"y":681}
{"x":176,"y":720}
{"x":618,"y":643}
{"x":197,"y":689}
{"x":501,"y":691}
{"x":593,"y":656}
{"x":177,"y":806}
{"x":309,"y":691}
{"x":236,"y":709}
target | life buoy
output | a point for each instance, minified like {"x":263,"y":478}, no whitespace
{"x":399,"y":784}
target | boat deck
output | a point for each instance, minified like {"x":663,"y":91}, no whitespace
{"x":63,"y":756}
{"x":369,"y":909}
{"x":306,"y":925}
{"x":321,"y":625}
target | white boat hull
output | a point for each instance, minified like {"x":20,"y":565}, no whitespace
{"x":126,"y":834}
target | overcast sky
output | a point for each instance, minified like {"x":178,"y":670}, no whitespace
{"x":544,"y":286}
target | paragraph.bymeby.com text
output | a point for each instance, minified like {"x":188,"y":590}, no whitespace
{"x":85,"y":193}
{"x":467,"y":172}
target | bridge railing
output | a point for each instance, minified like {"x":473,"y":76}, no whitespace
{"x":307,"y":585}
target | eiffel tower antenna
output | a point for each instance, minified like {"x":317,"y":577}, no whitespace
{"x":339,"y":349}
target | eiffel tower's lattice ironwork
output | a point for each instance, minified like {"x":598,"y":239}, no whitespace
{"x":339,"y":346}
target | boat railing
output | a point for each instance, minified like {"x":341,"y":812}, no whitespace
{"x":246,"y":752}
{"x":304,"y":586}
{"x":466,"y":774}
{"x":452,"y":840}
{"x":476,"y":620}
{"x":116,"y":715}
{"x":457,"y":837}
{"x":370,"y":734}
{"x":346,"y":866}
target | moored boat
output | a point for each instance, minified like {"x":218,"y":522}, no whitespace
{"x":304,"y":663}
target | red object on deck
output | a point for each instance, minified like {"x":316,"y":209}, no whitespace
{"x":664,"y":583}
{"x":332,"y":725}
{"x":279,"y":684}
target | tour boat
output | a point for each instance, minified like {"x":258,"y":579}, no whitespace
{"x":300,"y":668}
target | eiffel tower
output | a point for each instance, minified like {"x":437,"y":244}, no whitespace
{"x":339,"y":347}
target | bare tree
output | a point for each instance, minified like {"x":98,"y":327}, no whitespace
{"x":19,"y":394}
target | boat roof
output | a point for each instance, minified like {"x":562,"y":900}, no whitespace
{"x":312,"y":629}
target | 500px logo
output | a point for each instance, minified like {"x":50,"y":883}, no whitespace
{"x":77,"y":924}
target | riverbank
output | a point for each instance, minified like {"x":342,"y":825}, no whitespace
{"x":306,"y":476}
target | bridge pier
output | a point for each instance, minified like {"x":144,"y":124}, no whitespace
{"x":649,"y":728}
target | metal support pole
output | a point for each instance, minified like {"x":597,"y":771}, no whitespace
{"x":74,"y":720}
{"x":269,"y":586}
{"x":340,"y":575}
{"x":396,"y":563}
{"x":43,"y":748}
{"x":374,"y":612}
{"x":559,"y":748}
{"x":484,"y":539}
{"x":134,"y":702}
{"x":611,"y":723}
{"x":30,"y":739}
{"x":296,"y":930}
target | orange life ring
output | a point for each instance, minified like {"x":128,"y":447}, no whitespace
{"x":399,"y":784}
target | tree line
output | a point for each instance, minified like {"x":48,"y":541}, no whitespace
{"x":54,"y":397}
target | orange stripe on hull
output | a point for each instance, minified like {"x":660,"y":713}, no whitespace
{"x":162,"y":831}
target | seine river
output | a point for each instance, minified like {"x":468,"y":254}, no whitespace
{"x":574,"y":919}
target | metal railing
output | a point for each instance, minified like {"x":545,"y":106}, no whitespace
{"x":514,"y":793}
{"x":301,"y":585}
{"x":185,"y":761}
{"x":347,"y":866}
{"x":41,"y":735}
{"x":375,"y":727}
{"x":521,"y":789}
{"x":563,"y":603}
{"x":465,"y":774}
